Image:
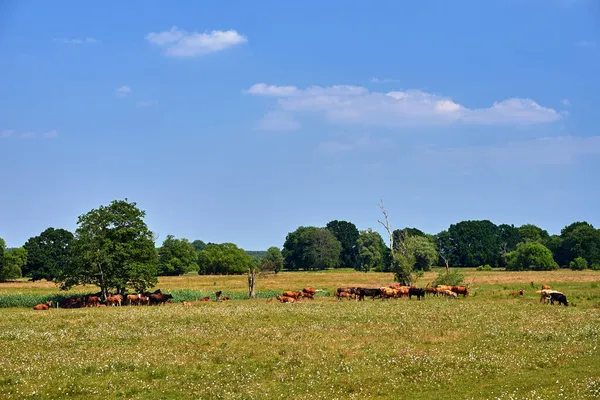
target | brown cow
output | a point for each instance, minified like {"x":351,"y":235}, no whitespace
{"x":347,"y":295}
{"x":349,"y":290}
{"x":309,"y":296}
{"x":309,"y":290}
{"x":226,"y":298}
{"x":294,"y":295}
{"x":133,"y":299}
{"x":114,"y":300}
{"x":461,"y":290}
{"x":545,"y":287}
{"x":43,"y":306}
{"x":207,"y":298}
{"x":159,"y":298}
{"x":285,"y":299}
{"x":519,"y":293}
{"x":93,"y":301}
{"x":186,"y":303}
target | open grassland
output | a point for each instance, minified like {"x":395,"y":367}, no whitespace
{"x":486,"y":346}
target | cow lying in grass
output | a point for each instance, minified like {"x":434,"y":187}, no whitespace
{"x":519,"y":293}
{"x":43,"y":306}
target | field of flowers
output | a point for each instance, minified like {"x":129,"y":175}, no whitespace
{"x":486,"y":346}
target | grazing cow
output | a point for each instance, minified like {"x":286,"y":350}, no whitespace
{"x":519,"y":293}
{"x":43,"y":306}
{"x":290,"y":293}
{"x":346,"y":295}
{"x":114,"y":300}
{"x":430,"y":290}
{"x":309,"y":290}
{"x":362,"y":292}
{"x":415,"y":291}
{"x":545,"y":294}
{"x":92,"y":301}
{"x":558,"y":297}
{"x":450,"y":294}
{"x":207,"y":298}
{"x":160,"y":298}
{"x":186,"y":303}
{"x":387,"y":293}
{"x":309,"y":296}
{"x":348,"y":290}
{"x":132,"y":299}
{"x":545,"y":287}
{"x":460,"y":290}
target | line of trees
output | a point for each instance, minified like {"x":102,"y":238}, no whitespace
{"x":114,"y":249}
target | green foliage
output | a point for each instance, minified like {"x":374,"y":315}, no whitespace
{"x":532,"y":233}
{"x":402,"y":266}
{"x":452,"y":278}
{"x":486,"y":267}
{"x":370,"y":254}
{"x":595,"y":267}
{"x":48,"y":254}
{"x":581,"y":239}
{"x":223,"y":258}
{"x":114,"y":249}
{"x":176,"y":257}
{"x":256,"y":255}
{"x":473,"y":243}
{"x":530,"y":256}
{"x":347,"y":234}
{"x":272,"y":260}
{"x":423,"y":250}
{"x":311,"y":248}
{"x":578,"y":264}
{"x":198,"y":245}
{"x":13,"y":262}
{"x":2,"y":246}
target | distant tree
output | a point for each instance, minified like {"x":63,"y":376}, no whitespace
{"x":347,"y":234}
{"x":581,"y":239}
{"x":444,"y":248}
{"x":311,"y":248}
{"x":2,"y":247}
{"x":272,"y":260}
{"x":474,"y":243}
{"x":561,"y":255}
{"x":423,"y":250}
{"x":14,"y":260}
{"x":176,"y":257}
{"x":370,"y":251}
{"x":579,"y":264}
{"x":48,"y":254}
{"x":114,"y":249}
{"x":532,"y":233}
{"x":530,"y":256}
{"x":198,"y":245}
{"x":223,"y":259}
{"x":256,"y":255}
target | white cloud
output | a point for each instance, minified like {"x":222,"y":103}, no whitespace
{"x":88,"y":40}
{"x":346,"y":104}
{"x":146,"y":103}
{"x":544,"y":151}
{"x":179,"y":43}
{"x":565,"y":102}
{"x":28,"y":134}
{"x":6,"y":133}
{"x":50,"y":134}
{"x":361,"y":142}
{"x":123,"y":91}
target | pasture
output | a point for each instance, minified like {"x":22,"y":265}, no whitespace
{"x":487,"y":346}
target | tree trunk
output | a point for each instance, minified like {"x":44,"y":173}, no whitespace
{"x":251,"y":282}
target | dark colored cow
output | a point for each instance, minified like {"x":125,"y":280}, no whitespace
{"x":415,"y":291}
{"x":159,"y":298}
{"x":559,"y":297}
{"x":362,"y":292}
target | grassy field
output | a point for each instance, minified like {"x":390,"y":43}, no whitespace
{"x":486,"y":346}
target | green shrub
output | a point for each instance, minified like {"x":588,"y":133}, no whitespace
{"x":578,"y":264}
{"x":485,"y":267}
{"x":451,"y":278}
{"x":595,"y":267}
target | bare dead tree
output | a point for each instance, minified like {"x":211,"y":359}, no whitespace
{"x":252,"y":271}
{"x":445,"y":262}
{"x":387,"y":227}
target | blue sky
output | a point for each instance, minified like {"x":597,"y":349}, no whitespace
{"x":239,"y":121}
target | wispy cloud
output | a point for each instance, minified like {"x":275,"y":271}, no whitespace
{"x":565,"y":102}
{"x":356,"y":105}
{"x":352,"y":144}
{"x":28,"y":134}
{"x":123,"y":91}
{"x":383,"y":80}
{"x":179,"y":43}
{"x":146,"y":103}
{"x":278,"y":121}
{"x":89,"y":40}
{"x":544,"y":151}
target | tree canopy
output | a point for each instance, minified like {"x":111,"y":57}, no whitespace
{"x":311,"y":248}
{"x":530,"y":256}
{"x":223,"y":259}
{"x":370,"y":251}
{"x":347,"y":234}
{"x":48,"y":254}
{"x":114,"y":250}
{"x":176,"y":257}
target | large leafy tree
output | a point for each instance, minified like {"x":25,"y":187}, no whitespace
{"x":445,"y":248}
{"x":48,"y":253}
{"x":223,"y":258}
{"x":311,"y":248}
{"x":530,"y":256}
{"x":581,"y":239}
{"x":14,"y":260}
{"x":176,"y":257}
{"x":532,"y":233}
{"x":347,"y":234}
{"x":2,"y":247}
{"x":272,"y":260}
{"x":198,"y":244}
{"x":370,"y":250}
{"x":114,"y":249}
{"x":423,"y":250}
{"x":474,"y":243}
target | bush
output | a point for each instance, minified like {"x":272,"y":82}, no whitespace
{"x":578,"y":264}
{"x":595,"y":267}
{"x":485,"y":267}
{"x":451,"y":278}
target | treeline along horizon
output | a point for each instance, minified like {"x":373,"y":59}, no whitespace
{"x":340,"y":244}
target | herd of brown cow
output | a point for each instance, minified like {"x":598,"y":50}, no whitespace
{"x":290,"y":296}
{"x":95,"y":300}
{"x":399,"y":291}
